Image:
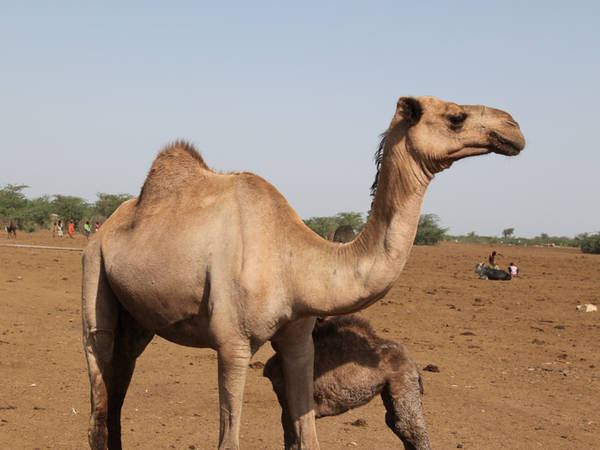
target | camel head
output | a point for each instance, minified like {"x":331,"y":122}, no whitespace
{"x":438,"y":133}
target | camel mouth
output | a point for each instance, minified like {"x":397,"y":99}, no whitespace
{"x":505,"y":146}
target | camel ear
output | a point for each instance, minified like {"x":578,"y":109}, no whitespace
{"x":409,"y":109}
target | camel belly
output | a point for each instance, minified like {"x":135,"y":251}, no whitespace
{"x":162,"y":299}
{"x":192,"y":332}
{"x":183,"y":321}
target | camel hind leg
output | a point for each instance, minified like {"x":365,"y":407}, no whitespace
{"x":404,"y":410}
{"x":99,"y":312}
{"x":129,"y":343}
{"x":111,"y":342}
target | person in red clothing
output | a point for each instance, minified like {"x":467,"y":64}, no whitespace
{"x":71,"y":229}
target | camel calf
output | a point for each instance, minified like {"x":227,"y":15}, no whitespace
{"x":353,"y":365}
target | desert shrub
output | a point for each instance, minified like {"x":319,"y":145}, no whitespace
{"x":325,"y":225}
{"x":108,"y":203}
{"x":590,"y":243}
{"x":429,"y":231}
{"x":70,"y":207}
{"x":32,"y":214}
{"x":13,"y":202}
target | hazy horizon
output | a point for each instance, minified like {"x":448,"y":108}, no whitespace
{"x":299,"y":95}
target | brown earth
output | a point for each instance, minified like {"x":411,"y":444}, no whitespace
{"x":519,"y":367}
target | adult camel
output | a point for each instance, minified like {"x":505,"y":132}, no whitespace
{"x":206,"y":259}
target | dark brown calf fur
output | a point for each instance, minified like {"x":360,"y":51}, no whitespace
{"x":12,"y":230}
{"x":353,"y":365}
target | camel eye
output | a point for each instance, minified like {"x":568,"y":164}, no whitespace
{"x":457,"y":120}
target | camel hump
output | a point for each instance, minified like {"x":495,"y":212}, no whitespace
{"x":174,"y":167}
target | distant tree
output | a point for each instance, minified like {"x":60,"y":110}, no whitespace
{"x":321,"y":225}
{"x":325,"y":225}
{"x":69,"y":207}
{"x":38,"y":211}
{"x":108,"y":203}
{"x":589,"y":243}
{"x":429,"y":231}
{"x":13,"y":201}
{"x":353,"y":219}
{"x":508,"y":232}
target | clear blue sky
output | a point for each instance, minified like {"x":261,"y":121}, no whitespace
{"x":298,"y":94}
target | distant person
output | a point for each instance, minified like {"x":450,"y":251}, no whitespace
{"x":71,"y":229}
{"x":513,"y":270}
{"x":54,"y":230}
{"x":86,"y":229}
{"x":96,"y":227}
{"x":59,"y":229}
{"x":492,"y":259}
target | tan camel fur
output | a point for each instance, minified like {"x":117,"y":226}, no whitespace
{"x":353,"y":365}
{"x":206,"y":259}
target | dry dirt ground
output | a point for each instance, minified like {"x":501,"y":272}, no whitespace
{"x":519,"y":367}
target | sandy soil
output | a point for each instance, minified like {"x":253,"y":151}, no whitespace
{"x":519,"y":366}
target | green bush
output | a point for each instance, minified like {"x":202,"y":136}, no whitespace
{"x":108,"y":203}
{"x":590,"y":243}
{"x":429,"y":231}
{"x":34,"y":214}
{"x":325,"y":225}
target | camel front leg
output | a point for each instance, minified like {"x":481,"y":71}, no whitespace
{"x":233,"y":366}
{"x":295,"y":346}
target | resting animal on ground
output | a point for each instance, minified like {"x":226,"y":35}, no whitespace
{"x":352,"y":365}
{"x":487,"y":273}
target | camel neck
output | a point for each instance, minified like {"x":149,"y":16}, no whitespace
{"x":357,"y":274}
